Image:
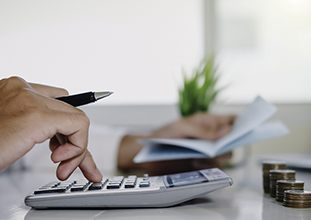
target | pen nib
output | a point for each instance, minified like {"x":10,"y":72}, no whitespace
{"x":100,"y":95}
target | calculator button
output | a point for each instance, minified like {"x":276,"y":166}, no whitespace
{"x":60,"y":189}
{"x":51,"y":190}
{"x":213,"y":174}
{"x":145,"y":177}
{"x":44,"y":187}
{"x":65,"y":185}
{"x":113,"y":185}
{"x":79,"y":187}
{"x":130,"y":182}
{"x":144,"y":184}
{"x":115,"y":182}
{"x":97,"y":186}
{"x":132,"y":177}
{"x":117,"y":178}
{"x":52,"y":184}
{"x":129,"y":185}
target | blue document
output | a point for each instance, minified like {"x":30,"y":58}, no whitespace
{"x":250,"y":127}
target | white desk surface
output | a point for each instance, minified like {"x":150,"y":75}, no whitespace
{"x":244,"y":200}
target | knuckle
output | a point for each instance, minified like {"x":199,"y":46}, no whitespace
{"x":24,"y":94}
{"x":83,"y":118}
{"x":16,"y":80}
{"x":89,"y":155}
{"x":13,"y":84}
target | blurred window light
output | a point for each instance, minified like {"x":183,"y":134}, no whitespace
{"x":264,"y":47}
{"x":137,"y":48}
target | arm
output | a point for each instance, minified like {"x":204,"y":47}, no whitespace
{"x":29,"y":114}
{"x":201,"y":125}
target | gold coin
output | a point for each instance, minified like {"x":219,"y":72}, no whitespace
{"x":289,"y":183}
{"x":297,"y":205}
{"x":297,"y":195}
{"x":283,"y":185}
{"x":272,"y":164}
{"x":276,"y":175}
{"x":266,"y":167}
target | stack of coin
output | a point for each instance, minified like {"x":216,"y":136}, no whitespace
{"x":266,"y":167}
{"x":297,"y":199}
{"x":283,"y":185}
{"x":276,"y":175}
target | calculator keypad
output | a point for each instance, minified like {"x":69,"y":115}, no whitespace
{"x":55,"y":187}
{"x":128,"y":191}
{"x":117,"y":182}
{"x":97,"y":186}
{"x":130,"y":182}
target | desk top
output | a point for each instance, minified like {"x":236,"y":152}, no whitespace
{"x":244,"y":200}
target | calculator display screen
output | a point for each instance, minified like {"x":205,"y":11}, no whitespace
{"x":182,"y":179}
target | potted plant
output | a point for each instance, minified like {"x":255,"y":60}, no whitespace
{"x":199,"y":91}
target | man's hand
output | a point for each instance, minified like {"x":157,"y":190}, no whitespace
{"x":200,"y":125}
{"x":30,"y":114}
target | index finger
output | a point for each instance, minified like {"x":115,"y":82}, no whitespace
{"x":49,"y":91}
{"x":89,"y":168}
{"x":226,"y":119}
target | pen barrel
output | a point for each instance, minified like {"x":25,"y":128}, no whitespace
{"x":78,"y":100}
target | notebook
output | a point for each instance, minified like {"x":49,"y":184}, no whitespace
{"x":251,"y":126}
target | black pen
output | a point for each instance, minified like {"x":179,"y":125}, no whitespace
{"x":84,"y":98}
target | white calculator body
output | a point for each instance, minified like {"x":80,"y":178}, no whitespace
{"x":129,"y":192}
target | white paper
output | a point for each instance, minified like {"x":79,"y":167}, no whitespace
{"x":250,"y":127}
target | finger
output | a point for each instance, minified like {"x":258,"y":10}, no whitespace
{"x":73,"y":125}
{"x":61,"y":138}
{"x":226,"y":120}
{"x":49,"y":91}
{"x":54,"y":143}
{"x":213,"y":127}
{"x":66,"y":168}
{"x":75,"y":129}
{"x":205,"y":121}
{"x":65,"y":152}
{"x":86,"y":164}
{"x":223,"y":131}
{"x":194,"y":131}
{"x":89,"y":168}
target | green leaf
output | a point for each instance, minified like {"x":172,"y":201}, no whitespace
{"x":198,"y":91}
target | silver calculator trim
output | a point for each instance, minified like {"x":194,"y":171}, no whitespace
{"x":157,"y":195}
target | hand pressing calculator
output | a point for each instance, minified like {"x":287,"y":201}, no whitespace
{"x":129,"y":192}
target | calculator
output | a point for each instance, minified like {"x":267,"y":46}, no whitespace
{"x":130,"y":191}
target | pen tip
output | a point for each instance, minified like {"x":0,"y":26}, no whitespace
{"x":100,"y":95}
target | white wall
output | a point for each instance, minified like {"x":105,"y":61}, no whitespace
{"x":135,"y":48}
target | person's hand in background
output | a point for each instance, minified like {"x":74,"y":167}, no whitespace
{"x":30,"y":114}
{"x":200,"y":125}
